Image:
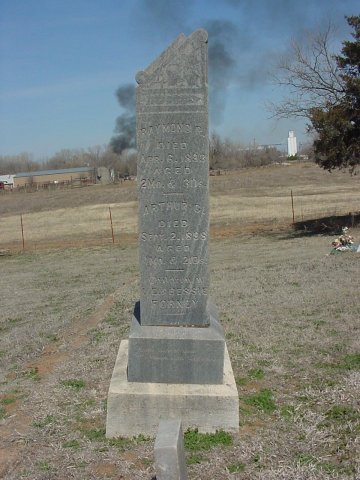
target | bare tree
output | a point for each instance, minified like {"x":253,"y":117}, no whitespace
{"x":111,"y":159}
{"x":23,"y":162}
{"x":94,"y":155}
{"x":228,"y":155}
{"x":215,"y":151}
{"x":66,"y":158}
{"x":311,"y":75}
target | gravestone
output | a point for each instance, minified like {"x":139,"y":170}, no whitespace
{"x":175,"y":362}
{"x":169,"y":452}
{"x":173,"y":171}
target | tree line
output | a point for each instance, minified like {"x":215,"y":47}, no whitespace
{"x":96,"y":156}
{"x":223,"y":154}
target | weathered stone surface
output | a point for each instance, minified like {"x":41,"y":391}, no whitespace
{"x":176,"y":362}
{"x":169,"y":451}
{"x":162,"y":354}
{"x":173,"y":168}
{"x":135,"y":407}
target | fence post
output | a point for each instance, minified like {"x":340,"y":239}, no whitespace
{"x":292,"y":207}
{"x":22,"y":232}
{"x":112,"y":229}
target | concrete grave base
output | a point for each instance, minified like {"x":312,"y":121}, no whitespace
{"x":135,"y":408}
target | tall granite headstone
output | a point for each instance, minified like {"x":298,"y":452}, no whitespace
{"x":173,"y":171}
{"x":175,"y":338}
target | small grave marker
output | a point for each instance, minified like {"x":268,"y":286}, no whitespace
{"x":169,"y":451}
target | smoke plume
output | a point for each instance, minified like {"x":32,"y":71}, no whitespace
{"x":238,"y":58}
{"x":125,"y":129}
{"x":222,"y":65}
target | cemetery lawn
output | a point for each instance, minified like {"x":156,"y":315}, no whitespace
{"x":291,"y":315}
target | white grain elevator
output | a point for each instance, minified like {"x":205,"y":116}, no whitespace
{"x":292,"y":145}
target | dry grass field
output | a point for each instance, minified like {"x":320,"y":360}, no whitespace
{"x":290,"y":311}
{"x":240,"y":201}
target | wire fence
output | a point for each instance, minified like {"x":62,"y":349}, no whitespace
{"x":117,"y":223}
{"x":91,"y":225}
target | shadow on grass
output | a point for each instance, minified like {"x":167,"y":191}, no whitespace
{"x":325,"y":225}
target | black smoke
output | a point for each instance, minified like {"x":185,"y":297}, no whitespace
{"x":223,"y":36}
{"x":222,"y":65}
{"x":238,"y":58}
{"x":222,"y":71}
{"x":125,"y":128}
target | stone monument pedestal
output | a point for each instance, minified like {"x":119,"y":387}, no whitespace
{"x":136,"y":408}
{"x":160,"y":354}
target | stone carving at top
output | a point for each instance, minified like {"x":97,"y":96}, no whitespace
{"x":182,"y":65}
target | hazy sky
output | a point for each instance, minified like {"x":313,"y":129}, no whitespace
{"x":62,"y":60}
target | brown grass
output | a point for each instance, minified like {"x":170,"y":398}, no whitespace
{"x":291,"y":317}
{"x":244,"y":198}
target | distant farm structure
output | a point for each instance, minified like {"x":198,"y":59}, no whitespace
{"x":77,"y":176}
{"x":6,"y":182}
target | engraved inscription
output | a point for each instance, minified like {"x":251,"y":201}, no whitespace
{"x":169,"y":128}
{"x":165,"y":207}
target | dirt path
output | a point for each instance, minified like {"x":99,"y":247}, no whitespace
{"x":14,"y":433}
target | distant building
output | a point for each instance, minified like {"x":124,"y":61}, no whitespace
{"x":103,"y":176}
{"x":6,"y":181}
{"x":292,"y":145}
{"x":63,"y":176}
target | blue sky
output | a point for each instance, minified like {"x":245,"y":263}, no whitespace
{"x":61,"y":62}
